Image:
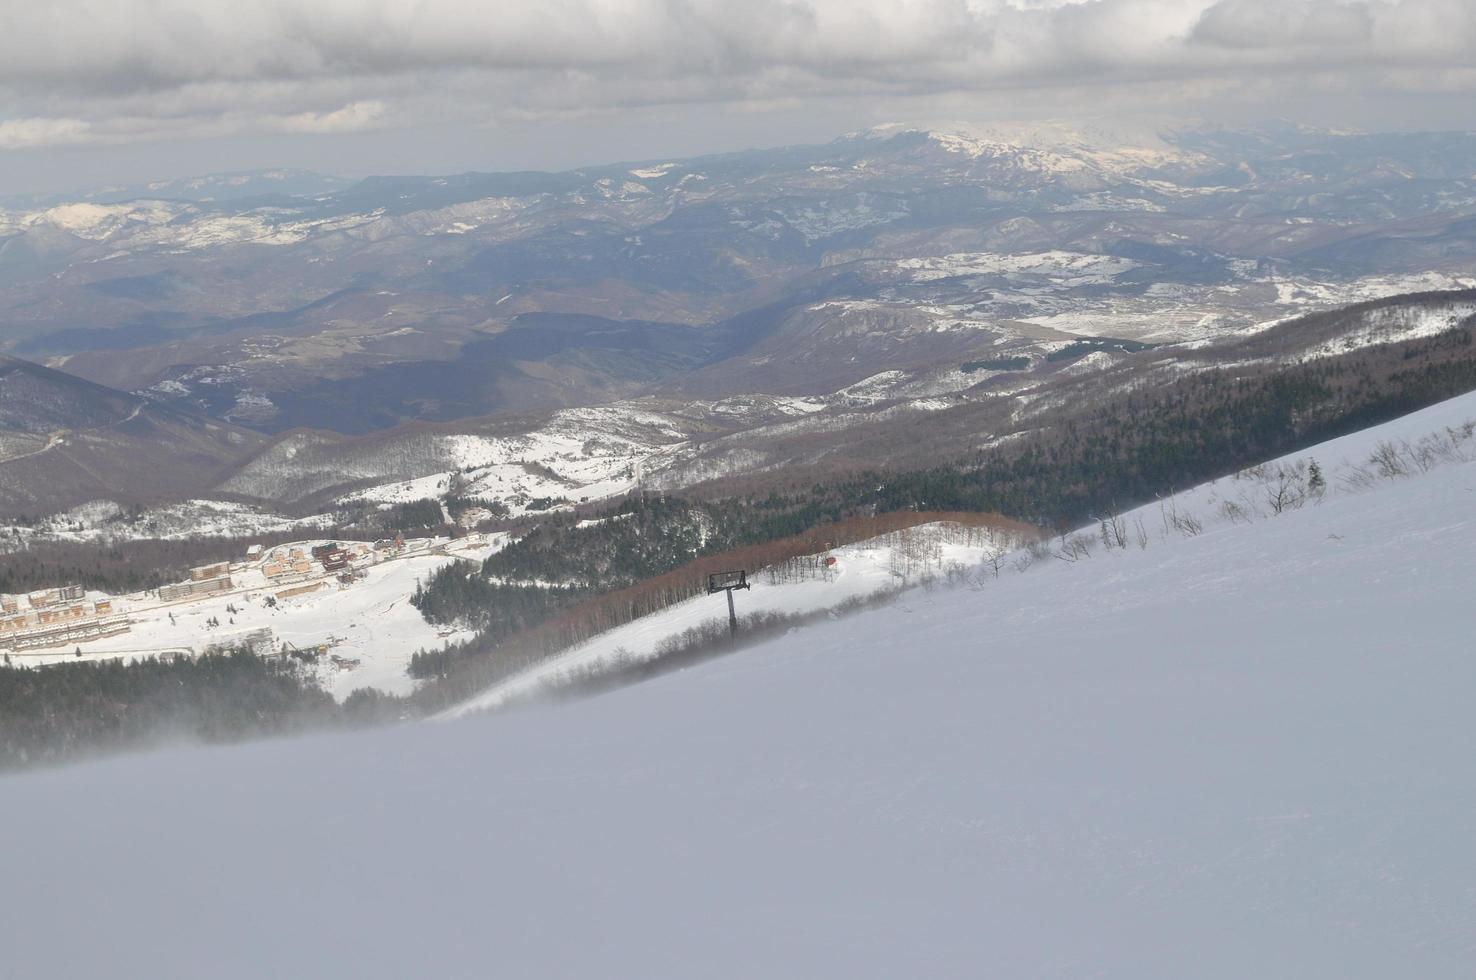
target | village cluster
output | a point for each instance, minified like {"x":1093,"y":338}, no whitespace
{"x":54,"y":617}
{"x":41,"y":625}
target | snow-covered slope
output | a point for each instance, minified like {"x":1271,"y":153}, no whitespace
{"x":867,"y":570}
{"x":1240,"y":752}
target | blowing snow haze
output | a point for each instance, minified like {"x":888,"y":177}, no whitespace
{"x":1085,"y":390}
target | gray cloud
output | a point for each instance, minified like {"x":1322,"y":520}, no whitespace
{"x":19,"y":133}
{"x":74,"y":71}
{"x":1273,"y":24}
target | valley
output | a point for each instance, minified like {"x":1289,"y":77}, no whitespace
{"x":547,"y":339}
{"x":529,"y":462}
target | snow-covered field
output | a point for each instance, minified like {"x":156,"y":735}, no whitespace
{"x":1245,"y":752}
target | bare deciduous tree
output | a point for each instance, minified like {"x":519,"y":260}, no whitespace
{"x":1234,"y":512}
{"x":995,"y":559}
{"x":1074,"y":548}
{"x":1140,"y":532}
{"x":1113,"y":530}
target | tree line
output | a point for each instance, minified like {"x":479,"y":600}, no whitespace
{"x":69,"y":711}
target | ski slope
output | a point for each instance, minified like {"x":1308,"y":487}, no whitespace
{"x":863,"y":570}
{"x":1244,"y":752}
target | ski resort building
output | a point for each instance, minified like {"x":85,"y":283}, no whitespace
{"x":51,"y":597}
{"x":54,"y":617}
{"x":290,"y":566}
{"x":392,"y":546}
{"x":335,"y":560}
{"x":202,"y":573}
{"x":194,"y":588}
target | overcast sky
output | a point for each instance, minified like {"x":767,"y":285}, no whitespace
{"x":126,"y":90}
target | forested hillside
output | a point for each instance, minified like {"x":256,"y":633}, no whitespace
{"x":65,"y":712}
{"x":1092,"y":460}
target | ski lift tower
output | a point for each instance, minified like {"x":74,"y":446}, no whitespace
{"x":728,"y":582}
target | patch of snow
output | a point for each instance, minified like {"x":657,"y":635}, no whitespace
{"x":1097,"y":360}
{"x":1394,"y":324}
{"x":652,"y":173}
{"x":1071,"y":267}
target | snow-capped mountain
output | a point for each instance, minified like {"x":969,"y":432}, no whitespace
{"x":1084,"y":157}
{"x":1234,"y":746}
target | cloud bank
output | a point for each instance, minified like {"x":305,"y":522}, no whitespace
{"x":77,"y":71}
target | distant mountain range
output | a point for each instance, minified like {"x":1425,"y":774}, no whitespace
{"x":709,"y":297}
{"x":242,"y":186}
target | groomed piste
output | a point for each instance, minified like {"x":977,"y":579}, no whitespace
{"x":1241,"y":747}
